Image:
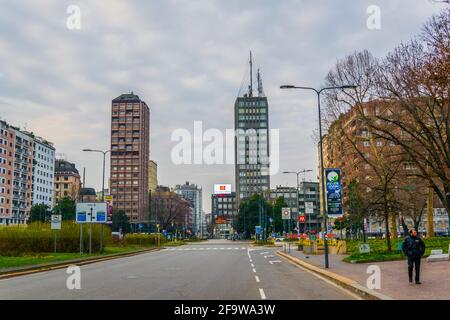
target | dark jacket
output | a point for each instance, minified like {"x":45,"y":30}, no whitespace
{"x":413,"y":247}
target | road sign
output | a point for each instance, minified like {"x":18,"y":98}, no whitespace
{"x":312,"y":237}
{"x":301,"y":219}
{"x":91,"y":213}
{"x":286,"y":213}
{"x":258,"y":229}
{"x":309,"y":207}
{"x":56,"y":221}
{"x":270,"y":220}
{"x":364,"y":248}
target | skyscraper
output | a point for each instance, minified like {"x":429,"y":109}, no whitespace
{"x":251,"y":123}
{"x":130,"y":150}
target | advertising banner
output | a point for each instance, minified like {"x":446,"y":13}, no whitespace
{"x":334,"y":192}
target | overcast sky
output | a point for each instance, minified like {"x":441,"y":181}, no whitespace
{"x":187,"y":59}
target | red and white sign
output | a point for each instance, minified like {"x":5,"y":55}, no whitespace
{"x":222,"y":189}
{"x":285,"y":213}
{"x":301,"y":219}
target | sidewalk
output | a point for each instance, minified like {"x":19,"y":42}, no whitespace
{"x":435,"y":277}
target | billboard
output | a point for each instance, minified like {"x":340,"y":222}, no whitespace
{"x":334,"y":192}
{"x":222,"y":189}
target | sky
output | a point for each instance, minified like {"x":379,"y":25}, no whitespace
{"x":188,"y":60}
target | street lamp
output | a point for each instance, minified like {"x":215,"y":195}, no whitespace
{"x":324,"y":210}
{"x":304,"y":171}
{"x":103,"y":187}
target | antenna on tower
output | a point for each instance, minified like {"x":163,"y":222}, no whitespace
{"x":260,"y":85}
{"x":250,"y":88}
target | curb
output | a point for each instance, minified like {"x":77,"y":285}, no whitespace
{"x":67,"y":263}
{"x":342,"y":281}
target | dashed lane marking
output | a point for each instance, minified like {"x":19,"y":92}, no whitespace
{"x":263,"y":295}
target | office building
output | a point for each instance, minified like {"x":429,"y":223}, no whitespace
{"x":130,"y":135}
{"x":223,"y":214}
{"x":251,"y":122}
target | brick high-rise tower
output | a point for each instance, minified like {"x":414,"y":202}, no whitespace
{"x":130,"y":150}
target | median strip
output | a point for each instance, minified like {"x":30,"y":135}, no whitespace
{"x":344,"y":282}
{"x":64,"y":264}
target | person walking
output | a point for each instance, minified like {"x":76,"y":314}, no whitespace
{"x":414,"y":248}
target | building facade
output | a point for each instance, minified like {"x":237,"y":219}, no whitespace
{"x":130,"y":150}
{"x":152,"y":175}
{"x":251,"y":124}
{"x":194,"y":195}
{"x":26,"y":175}
{"x":223,"y":214}
{"x":43,"y":173}
{"x":171,"y":212}
{"x":67,"y":180}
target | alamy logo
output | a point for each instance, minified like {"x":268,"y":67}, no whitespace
{"x":73,"y":21}
{"x":374,"y":280}
{"x":213,"y":146}
{"x":374,"y":20}
{"x":73,"y":282}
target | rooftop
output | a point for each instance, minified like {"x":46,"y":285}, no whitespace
{"x":127,"y":97}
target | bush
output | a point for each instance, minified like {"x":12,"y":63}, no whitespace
{"x":38,"y":237}
{"x":143,"y":239}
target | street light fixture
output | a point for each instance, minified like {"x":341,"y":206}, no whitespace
{"x":103,"y":186}
{"x":324,"y":210}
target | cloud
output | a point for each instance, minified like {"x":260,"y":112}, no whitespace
{"x":187,"y":60}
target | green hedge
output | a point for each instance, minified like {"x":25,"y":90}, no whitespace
{"x":38,"y":237}
{"x":143,"y":239}
{"x":380,"y":246}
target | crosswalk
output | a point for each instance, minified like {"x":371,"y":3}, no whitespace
{"x":206,"y":249}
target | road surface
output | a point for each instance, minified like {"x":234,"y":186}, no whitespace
{"x":209,"y":270}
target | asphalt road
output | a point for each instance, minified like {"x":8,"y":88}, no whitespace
{"x":209,"y":270}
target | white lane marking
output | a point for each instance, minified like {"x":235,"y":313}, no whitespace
{"x":263,"y":295}
{"x":243,"y":248}
{"x":274,"y":261}
{"x":257,"y":279}
{"x":236,"y":248}
{"x":269,"y":256}
{"x":230,"y":248}
{"x":201,"y":249}
{"x":254,"y":270}
{"x":222,"y":248}
{"x":251,"y":260}
{"x":264,"y":252}
{"x":208,"y":248}
{"x":216,"y":248}
{"x":252,"y":265}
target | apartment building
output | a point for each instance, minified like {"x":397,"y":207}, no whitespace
{"x":130,"y":150}
{"x":194,"y":195}
{"x":67,"y":180}
{"x":25,"y":175}
{"x":43,"y":173}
